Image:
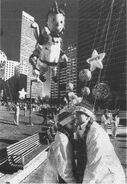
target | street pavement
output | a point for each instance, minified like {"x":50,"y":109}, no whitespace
{"x":120,"y":147}
{"x":10,"y":133}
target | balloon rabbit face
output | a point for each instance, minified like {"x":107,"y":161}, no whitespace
{"x":56,"y":22}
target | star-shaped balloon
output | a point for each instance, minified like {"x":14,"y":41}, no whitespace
{"x":96,"y":60}
{"x":22,"y":94}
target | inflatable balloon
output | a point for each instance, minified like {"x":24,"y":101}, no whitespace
{"x":85,"y":75}
{"x":48,"y":49}
{"x":96,"y":60}
{"x":70,"y":86}
{"x":101,"y":91}
{"x":3,"y":59}
{"x":85,"y":91}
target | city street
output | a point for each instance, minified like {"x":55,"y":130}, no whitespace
{"x":119,"y":145}
{"x":56,"y":57}
{"x":10,"y":133}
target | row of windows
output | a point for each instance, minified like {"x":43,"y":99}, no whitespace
{"x":92,"y":35}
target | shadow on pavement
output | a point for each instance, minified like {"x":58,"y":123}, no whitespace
{"x":8,"y":141}
{"x":121,"y":140}
{"x":4,"y":166}
{"x":27,"y":134}
{"x":39,"y":114}
{"x":124,"y":165}
{"x":122,"y":135}
{"x":24,"y":122}
{"x":123,"y":147}
{"x":123,"y":122}
{"x":6,"y":122}
{"x":6,"y":169}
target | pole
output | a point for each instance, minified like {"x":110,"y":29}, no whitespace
{"x":59,"y":83}
{"x":30,"y":103}
{"x":34,"y":80}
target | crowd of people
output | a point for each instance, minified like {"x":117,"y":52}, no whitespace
{"x":82,"y":151}
{"x":48,"y":112}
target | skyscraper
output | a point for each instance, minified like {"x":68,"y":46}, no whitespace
{"x":11,"y":81}
{"x":10,"y":69}
{"x":66,"y":74}
{"x":27,"y":46}
{"x":102,"y":26}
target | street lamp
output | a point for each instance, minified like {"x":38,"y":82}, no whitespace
{"x":34,"y":80}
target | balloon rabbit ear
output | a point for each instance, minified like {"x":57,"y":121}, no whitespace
{"x":55,"y":7}
{"x":63,"y":6}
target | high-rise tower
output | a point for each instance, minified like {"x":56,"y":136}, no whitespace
{"x":102,"y":26}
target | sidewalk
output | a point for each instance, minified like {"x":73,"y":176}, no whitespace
{"x":119,"y":145}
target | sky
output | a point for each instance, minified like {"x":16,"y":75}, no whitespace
{"x":10,"y":24}
{"x":11,"y":16}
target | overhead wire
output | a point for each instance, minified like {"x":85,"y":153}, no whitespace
{"x":109,"y":46}
{"x":105,"y":44}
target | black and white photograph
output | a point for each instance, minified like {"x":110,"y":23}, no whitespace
{"x":63,"y":108}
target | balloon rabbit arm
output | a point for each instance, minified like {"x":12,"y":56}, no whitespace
{"x":35,"y":26}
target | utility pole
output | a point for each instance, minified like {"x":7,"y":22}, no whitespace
{"x":34,"y":80}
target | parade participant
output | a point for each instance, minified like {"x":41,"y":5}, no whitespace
{"x":16,"y":115}
{"x":102,"y":164}
{"x":60,"y":162}
{"x":106,"y":119}
{"x":25,"y":109}
{"x":114,"y":123}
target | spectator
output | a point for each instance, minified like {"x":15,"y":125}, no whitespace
{"x":25,"y":109}
{"x":45,"y":112}
{"x":16,"y":114}
{"x":59,"y":166}
{"x":114,"y":123}
{"x":106,"y":119}
{"x":102,"y":165}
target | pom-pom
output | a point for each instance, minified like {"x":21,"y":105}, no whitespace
{"x":85,"y":91}
{"x":70,"y":86}
{"x":85,"y":75}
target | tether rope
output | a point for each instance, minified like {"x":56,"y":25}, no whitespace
{"x":105,"y":44}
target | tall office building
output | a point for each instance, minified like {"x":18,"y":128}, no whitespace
{"x":11,"y":81}
{"x":10,"y":69}
{"x":27,"y":46}
{"x":66,"y":74}
{"x":102,"y":26}
{"x":71,"y":70}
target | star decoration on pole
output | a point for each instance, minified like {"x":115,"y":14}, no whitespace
{"x":22,"y":94}
{"x":96,"y":60}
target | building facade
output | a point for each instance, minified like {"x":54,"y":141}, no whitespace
{"x":65,"y":74}
{"x":27,"y":46}
{"x":102,"y":26}
{"x":10,"y":69}
{"x":10,"y":83}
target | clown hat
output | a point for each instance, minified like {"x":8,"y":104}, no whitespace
{"x":65,"y":117}
{"x":85,"y":108}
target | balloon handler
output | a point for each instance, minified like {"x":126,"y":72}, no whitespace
{"x":48,"y":50}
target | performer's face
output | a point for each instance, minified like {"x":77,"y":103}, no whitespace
{"x":72,"y":126}
{"x":82,"y":121}
{"x":82,"y":118}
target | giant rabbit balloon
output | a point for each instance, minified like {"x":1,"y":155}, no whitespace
{"x":48,"y":49}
